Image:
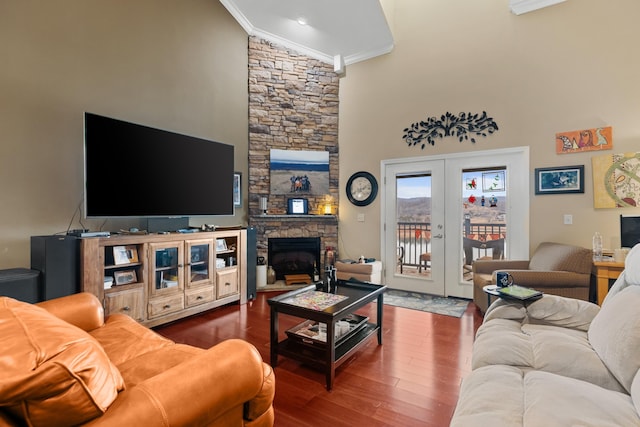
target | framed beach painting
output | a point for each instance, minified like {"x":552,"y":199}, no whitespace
{"x":299,"y":172}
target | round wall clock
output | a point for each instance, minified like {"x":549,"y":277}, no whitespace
{"x":362,"y":188}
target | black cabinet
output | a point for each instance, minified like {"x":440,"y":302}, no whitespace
{"x":57,"y":258}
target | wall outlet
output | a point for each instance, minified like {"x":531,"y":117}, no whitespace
{"x":360,"y":217}
{"x":568,"y":219}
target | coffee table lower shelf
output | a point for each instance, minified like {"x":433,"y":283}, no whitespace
{"x":313,"y":355}
{"x":316,"y":352}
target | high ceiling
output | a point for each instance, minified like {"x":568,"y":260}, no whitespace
{"x":355,"y":30}
{"x":341,"y":32}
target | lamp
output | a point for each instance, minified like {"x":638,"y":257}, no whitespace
{"x":327,"y":208}
{"x":263,"y":204}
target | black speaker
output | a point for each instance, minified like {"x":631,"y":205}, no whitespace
{"x":20,"y":283}
{"x":57,"y":258}
{"x":155,"y":225}
{"x":252,"y":260}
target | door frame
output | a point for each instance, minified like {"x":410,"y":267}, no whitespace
{"x":518,"y":189}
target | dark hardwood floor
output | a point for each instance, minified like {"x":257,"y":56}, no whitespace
{"x":412,"y":379}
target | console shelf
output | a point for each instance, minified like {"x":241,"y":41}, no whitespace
{"x":171,"y":276}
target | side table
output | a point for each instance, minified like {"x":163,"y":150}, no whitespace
{"x":490,"y":290}
{"x":604,"y":271}
{"x":493,"y":290}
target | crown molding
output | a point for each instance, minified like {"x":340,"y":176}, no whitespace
{"x":518,"y":7}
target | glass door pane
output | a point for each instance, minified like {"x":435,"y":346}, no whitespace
{"x":413,"y":213}
{"x":484,"y":229}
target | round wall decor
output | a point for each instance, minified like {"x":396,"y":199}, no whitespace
{"x":362,"y":188}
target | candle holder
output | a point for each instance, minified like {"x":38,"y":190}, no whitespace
{"x":263,"y":204}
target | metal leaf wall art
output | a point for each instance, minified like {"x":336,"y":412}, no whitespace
{"x":463,"y":126}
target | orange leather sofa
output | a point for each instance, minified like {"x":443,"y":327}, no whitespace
{"x":62,"y":364}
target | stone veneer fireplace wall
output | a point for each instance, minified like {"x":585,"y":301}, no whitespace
{"x":293,"y":105}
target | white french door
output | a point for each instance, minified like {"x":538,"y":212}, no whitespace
{"x":414,"y":225}
{"x":429,"y":230}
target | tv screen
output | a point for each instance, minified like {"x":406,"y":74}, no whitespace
{"x":629,"y":231}
{"x":138,"y":171}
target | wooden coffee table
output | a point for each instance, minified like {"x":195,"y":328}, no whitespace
{"x":311,"y":305}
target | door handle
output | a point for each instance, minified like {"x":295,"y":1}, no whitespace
{"x":438,"y":236}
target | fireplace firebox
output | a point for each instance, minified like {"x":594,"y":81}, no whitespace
{"x":293,"y":255}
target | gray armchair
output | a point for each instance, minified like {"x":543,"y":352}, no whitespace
{"x":554,"y":268}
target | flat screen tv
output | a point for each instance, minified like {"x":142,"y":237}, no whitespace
{"x":133,"y":170}
{"x":629,"y":231}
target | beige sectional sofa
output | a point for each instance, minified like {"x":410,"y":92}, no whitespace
{"x":558,"y":361}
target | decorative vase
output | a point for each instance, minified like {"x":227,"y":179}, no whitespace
{"x":271,"y":276}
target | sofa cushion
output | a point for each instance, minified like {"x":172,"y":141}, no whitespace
{"x":615,"y":335}
{"x":53,"y":373}
{"x":559,"y":257}
{"x":124,"y":339}
{"x":635,"y":392}
{"x":558,"y":350}
{"x":148,"y":365}
{"x":555,"y":400}
{"x":506,"y":396}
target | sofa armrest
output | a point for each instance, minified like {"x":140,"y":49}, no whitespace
{"x":195,"y":392}
{"x":540,"y":279}
{"x":82,"y":310}
{"x":560,"y":311}
{"x":549,"y":310}
{"x":488,"y":266}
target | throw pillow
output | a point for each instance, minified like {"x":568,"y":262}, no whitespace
{"x":53,"y":373}
{"x":615,"y":335}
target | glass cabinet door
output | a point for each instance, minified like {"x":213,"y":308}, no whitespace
{"x":168,"y":262}
{"x":198,"y":263}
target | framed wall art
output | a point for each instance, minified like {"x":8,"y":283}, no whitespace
{"x":237,"y":189}
{"x":299,"y":172}
{"x":578,"y":141}
{"x":616,"y":180}
{"x":560,"y":180}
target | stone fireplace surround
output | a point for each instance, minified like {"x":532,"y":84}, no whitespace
{"x":293,"y":105}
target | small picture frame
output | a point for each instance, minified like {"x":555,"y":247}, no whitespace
{"x":125,"y":277}
{"x":560,"y":180}
{"x":298,"y":206}
{"x":237,"y":189}
{"x":221,"y":245}
{"x":125,"y":254}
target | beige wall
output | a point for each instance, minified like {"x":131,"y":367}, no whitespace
{"x":566,"y":67}
{"x":180,"y":66}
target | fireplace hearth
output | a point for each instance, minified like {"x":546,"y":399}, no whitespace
{"x":293,"y":255}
